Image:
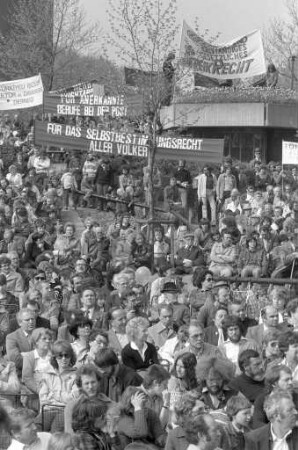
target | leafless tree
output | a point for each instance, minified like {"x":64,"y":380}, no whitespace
{"x":281,"y":43}
{"x":44,"y":36}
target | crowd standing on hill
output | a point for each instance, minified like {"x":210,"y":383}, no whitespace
{"x":120,"y":338}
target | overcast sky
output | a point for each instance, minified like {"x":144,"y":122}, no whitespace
{"x":230,"y":17}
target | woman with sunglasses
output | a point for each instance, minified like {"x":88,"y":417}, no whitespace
{"x":81,"y":330}
{"x":58,"y":386}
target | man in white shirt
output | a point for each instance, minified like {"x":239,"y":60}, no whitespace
{"x":24,"y":432}
{"x":236,"y":343}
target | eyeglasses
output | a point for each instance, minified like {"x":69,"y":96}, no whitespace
{"x":209,"y":279}
{"x":273,"y":344}
{"x":62,"y":355}
{"x":39,"y":278}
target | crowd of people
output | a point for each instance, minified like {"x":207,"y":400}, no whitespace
{"x":119,"y":338}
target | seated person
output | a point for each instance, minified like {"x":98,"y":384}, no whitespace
{"x":36,"y":250}
{"x":141,"y":252}
{"x":252,"y":260}
{"x":24,"y":432}
{"x":214,"y":375}
{"x":138,"y":354}
{"x":58,"y":385}
{"x":115,"y":376}
{"x":239,"y":410}
{"x":223,"y":255}
{"x":134,"y":411}
{"x":189,"y":256}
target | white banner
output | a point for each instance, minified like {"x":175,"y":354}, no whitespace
{"x":289,"y":152}
{"x":241,"y":58}
{"x":19,"y":94}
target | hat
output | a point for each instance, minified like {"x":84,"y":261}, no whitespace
{"x":169,"y":286}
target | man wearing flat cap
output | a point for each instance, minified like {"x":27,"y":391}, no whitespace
{"x":189,"y":256}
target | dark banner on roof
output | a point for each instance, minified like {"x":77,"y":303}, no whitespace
{"x":82,"y":88}
{"x":126,"y":144}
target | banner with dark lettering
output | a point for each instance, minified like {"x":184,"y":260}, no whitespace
{"x":20,"y":94}
{"x":126,"y":144}
{"x":82,"y":88}
{"x":241,"y":58}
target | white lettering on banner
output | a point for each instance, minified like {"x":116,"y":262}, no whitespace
{"x":240,"y":58}
{"x":289,"y":152}
{"x":180,"y":143}
{"x":54,"y":128}
{"x":19,"y":94}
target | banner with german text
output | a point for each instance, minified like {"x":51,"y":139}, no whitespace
{"x":126,"y":144}
{"x":241,"y":58}
{"x":20,"y":94}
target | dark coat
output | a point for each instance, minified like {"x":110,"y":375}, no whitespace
{"x":133,"y":359}
{"x":193,"y":253}
{"x":250,"y":388}
{"x":261,"y":439}
{"x":125,"y":377}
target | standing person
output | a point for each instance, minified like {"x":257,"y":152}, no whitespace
{"x":69,"y":185}
{"x":225,"y":183}
{"x":168,"y":73}
{"x":184,"y":182}
{"x":207,"y":183}
{"x":103,"y":179}
{"x":41,"y":165}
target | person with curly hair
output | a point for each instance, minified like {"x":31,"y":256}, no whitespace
{"x":183,"y":377}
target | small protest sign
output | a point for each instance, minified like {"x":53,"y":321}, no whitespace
{"x":289,"y":152}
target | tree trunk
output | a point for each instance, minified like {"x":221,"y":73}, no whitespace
{"x":151,"y":158}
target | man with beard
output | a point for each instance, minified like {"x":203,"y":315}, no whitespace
{"x":235,"y":343}
{"x":251,"y":381}
{"x":281,"y":433}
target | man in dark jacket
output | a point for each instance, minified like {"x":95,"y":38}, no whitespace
{"x":116,"y":377}
{"x":189,"y":256}
{"x":251,"y":381}
{"x":102,"y":181}
{"x":281,"y":432}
